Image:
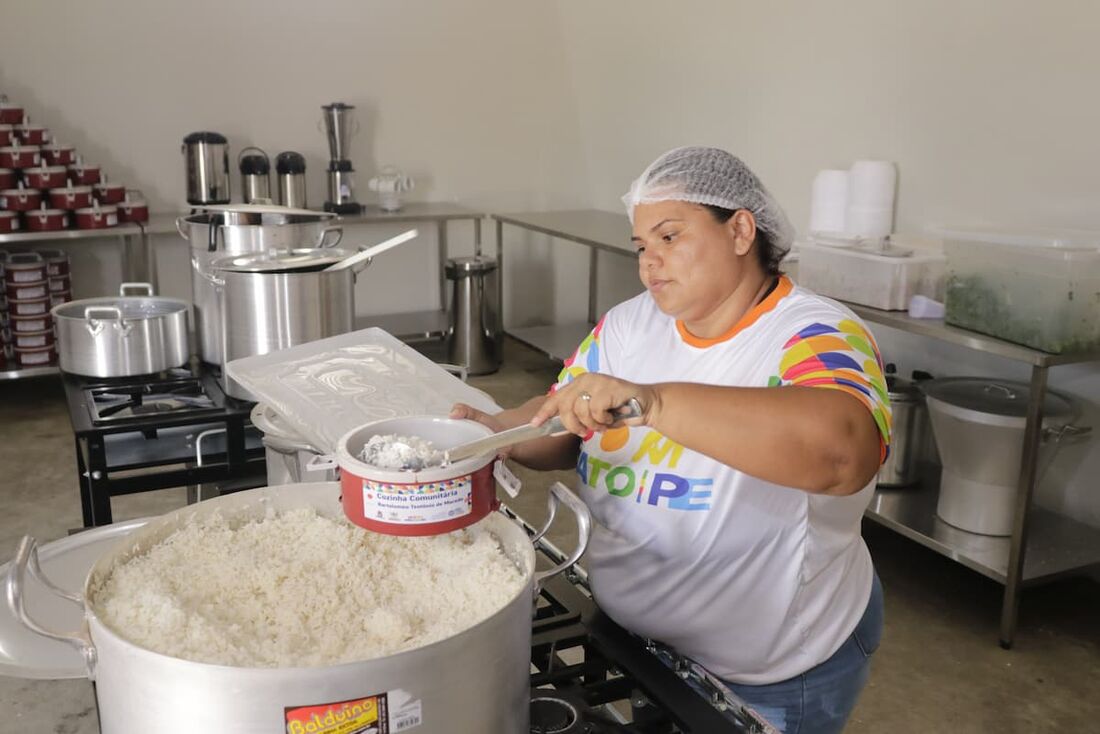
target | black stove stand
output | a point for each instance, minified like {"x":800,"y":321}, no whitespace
{"x":137,"y":434}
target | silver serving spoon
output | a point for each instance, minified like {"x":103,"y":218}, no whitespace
{"x":553,"y":427}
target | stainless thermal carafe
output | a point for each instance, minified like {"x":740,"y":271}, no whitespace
{"x":206,"y":155}
{"x":255,"y":170}
{"x":290,"y":172}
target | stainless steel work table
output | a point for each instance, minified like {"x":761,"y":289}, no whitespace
{"x":420,"y":325}
{"x":1044,"y":545}
{"x":597,"y":230}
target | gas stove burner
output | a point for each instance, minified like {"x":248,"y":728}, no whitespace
{"x":554,"y":716}
{"x":184,"y":395}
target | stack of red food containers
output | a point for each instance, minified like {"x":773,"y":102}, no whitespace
{"x":30,"y":333}
{"x":45,"y":186}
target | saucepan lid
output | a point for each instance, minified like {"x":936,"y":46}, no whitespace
{"x":984,"y":399}
{"x":299,"y":259}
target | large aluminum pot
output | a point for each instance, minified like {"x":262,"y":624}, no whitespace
{"x":979,"y":426}
{"x":910,"y":422}
{"x":237,"y":230}
{"x":287,"y":454}
{"x":474,"y":681}
{"x":265,"y":307}
{"x":124,"y":336}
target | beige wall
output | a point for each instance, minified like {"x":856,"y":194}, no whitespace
{"x":988,"y":108}
{"x":468,"y":97}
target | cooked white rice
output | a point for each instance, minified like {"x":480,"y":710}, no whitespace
{"x":298,"y":589}
{"x":401,"y":453}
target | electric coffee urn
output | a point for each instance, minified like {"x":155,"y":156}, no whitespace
{"x":206,"y":156}
{"x":339,"y":120}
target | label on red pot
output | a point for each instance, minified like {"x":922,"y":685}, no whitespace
{"x":416,"y":504}
{"x":381,"y":713}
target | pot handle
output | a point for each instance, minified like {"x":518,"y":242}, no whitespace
{"x":213,"y":280}
{"x":212,"y":243}
{"x":560,"y":494}
{"x":1068,"y":431}
{"x":106,"y":313}
{"x":146,"y":288}
{"x":323,"y":241}
{"x":508,"y":480}
{"x":183,"y":227}
{"x":321,"y":462}
{"x":26,"y":557}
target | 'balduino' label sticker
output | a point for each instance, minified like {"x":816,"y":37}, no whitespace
{"x":367,"y":715}
{"x":416,"y":504}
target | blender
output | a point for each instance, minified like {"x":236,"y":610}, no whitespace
{"x":340,"y":125}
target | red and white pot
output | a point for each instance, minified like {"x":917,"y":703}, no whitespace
{"x":429,"y":502}
{"x":96,"y":217}
{"x":32,"y":133}
{"x":10,"y":114}
{"x":24,"y":267}
{"x":19,"y":156}
{"x":40,"y":357}
{"x":33,"y":339}
{"x":46,"y":177}
{"x":133,"y":208}
{"x":7,"y":134}
{"x":60,"y":284}
{"x":9,"y":222}
{"x":71,"y":197}
{"x":20,"y":200}
{"x":35,"y":307}
{"x":59,"y":155}
{"x":109,"y":193}
{"x":30,"y":324}
{"x":85,"y":175}
{"x":46,"y":220}
{"x":8,"y":178}
{"x":57,"y":262}
{"x":59,"y":297}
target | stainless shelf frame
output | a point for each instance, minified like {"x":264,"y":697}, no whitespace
{"x":1061,"y":545}
{"x":597,"y":230}
{"x":27,"y":372}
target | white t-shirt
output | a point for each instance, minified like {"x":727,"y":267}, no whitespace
{"x":755,"y":581}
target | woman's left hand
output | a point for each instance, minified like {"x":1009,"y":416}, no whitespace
{"x":588,"y":404}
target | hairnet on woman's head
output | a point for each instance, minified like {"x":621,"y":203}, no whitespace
{"x":711,"y":176}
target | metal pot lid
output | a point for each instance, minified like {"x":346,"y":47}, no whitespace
{"x":132,"y":308}
{"x":66,"y":562}
{"x":282,"y":261}
{"x":1006,"y":398}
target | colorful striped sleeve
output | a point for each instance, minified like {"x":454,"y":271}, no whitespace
{"x":841,"y":356}
{"x":585,"y":359}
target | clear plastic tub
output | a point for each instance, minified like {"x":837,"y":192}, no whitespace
{"x":1039,"y":288}
{"x":867,"y":278}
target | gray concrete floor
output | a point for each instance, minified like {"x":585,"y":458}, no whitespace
{"x":939,"y":667}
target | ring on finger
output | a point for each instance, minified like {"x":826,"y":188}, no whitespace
{"x":585,"y":397}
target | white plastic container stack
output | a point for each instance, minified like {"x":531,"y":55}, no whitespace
{"x":1039,"y":288}
{"x":829,"y":201}
{"x":871,"y":189}
{"x":868,"y":278}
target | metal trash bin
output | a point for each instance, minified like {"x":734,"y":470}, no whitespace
{"x":474,"y":336}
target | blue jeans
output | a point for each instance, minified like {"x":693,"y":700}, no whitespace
{"x":820,"y":700}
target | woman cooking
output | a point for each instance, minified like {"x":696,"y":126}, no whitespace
{"x":728,"y":514}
